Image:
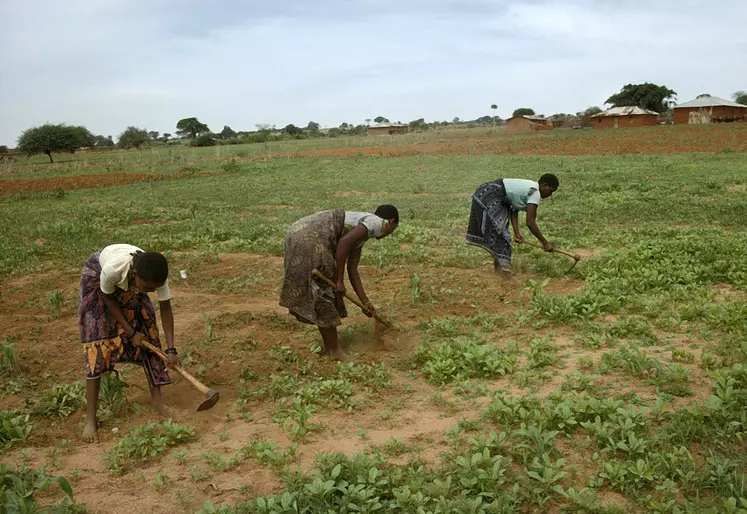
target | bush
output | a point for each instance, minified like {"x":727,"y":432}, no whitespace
{"x":133,"y":137}
{"x":203,"y":140}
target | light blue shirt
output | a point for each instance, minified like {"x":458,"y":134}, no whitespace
{"x":521,"y":193}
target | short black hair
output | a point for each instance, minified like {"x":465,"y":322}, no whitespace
{"x":151,"y":267}
{"x":550,"y":180}
{"x":387,"y":212}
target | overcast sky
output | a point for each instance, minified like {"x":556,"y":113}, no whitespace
{"x":107,"y":64}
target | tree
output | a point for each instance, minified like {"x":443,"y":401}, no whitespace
{"x":133,"y":137}
{"x":153,"y":135}
{"x":102,"y":142}
{"x":455,"y":120}
{"x":585,"y":115}
{"x":292,"y":130}
{"x":3,"y":149}
{"x":368,"y":121}
{"x":49,"y":138}
{"x":203,"y":140}
{"x":312,"y":126}
{"x":703,"y":95}
{"x":523,"y":111}
{"x":227,"y":132}
{"x":380,"y":119}
{"x":344,"y":125}
{"x":83,"y":137}
{"x":646,"y":96}
{"x":740,"y":97}
{"x":418,"y":125}
{"x":191,"y":127}
{"x":166,"y":136}
{"x":263,"y":127}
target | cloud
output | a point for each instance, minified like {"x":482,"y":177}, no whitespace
{"x":111,"y":64}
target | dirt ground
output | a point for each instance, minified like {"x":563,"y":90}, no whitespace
{"x":48,"y":353}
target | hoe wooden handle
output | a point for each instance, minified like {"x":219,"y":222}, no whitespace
{"x":318,"y":274}
{"x":192,"y":380}
{"x":555,"y":250}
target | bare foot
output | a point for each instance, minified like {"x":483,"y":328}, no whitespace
{"x":90,"y":433}
{"x":159,"y":408}
{"x":155,"y":394}
{"x":341,"y":356}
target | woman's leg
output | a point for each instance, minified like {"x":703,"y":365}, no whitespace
{"x":155,"y":394}
{"x":503,"y":268}
{"x":91,"y":432}
{"x":332,"y":344}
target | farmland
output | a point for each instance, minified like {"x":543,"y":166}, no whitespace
{"x":619,"y":387}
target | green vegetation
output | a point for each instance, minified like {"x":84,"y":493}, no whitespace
{"x":146,"y":442}
{"x":18,"y":489}
{"x":625,"y":379}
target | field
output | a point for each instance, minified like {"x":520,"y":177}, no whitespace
{"x":618,"y":387}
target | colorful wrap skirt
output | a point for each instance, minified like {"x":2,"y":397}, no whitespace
{"x":104,"y":342}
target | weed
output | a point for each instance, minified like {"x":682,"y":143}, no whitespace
{"x":683,"y":356}
{"x":56,"y":301}
{"x":208,"y":325}
{"x":7,"y":358}
{"x":180,"y":456}
{"x":161,"y":481}
{"x":284,"y":354}
{"x":196,"y":473}
{"x":112,"y":394}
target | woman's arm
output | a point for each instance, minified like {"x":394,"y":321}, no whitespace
{"x":167,"y":320}
{"x":515,"y":224}
{"x":355,"y":276}
{"x":345,"y":247}
{"x":111,"y":303}
{"x":534,"y":229}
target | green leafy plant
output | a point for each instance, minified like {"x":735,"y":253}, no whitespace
{"x":61,"y":400}
{"x":19,"y":487}
{"x":15,"y":428}
{"x":462,"y":359}
{"x":146,"y":442}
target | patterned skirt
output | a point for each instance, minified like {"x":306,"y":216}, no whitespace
{"x":311,"y":243}
{"x":104,"y":341}
{"x":488,"y":222}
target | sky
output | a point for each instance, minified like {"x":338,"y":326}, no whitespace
{"x":114,"y":63}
